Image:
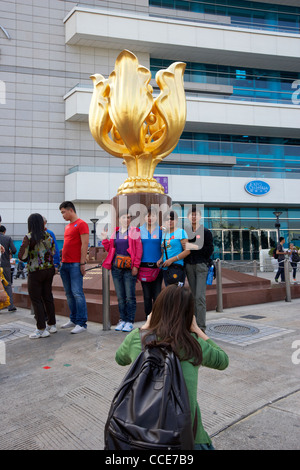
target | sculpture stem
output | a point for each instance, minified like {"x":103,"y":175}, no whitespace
{"x":140,"y":165}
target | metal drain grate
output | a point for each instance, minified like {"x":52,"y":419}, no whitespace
{"x":230,"y":329}
{"x":14,"y":330}
{"x":7,"y":332}
{"x":240,"y":333}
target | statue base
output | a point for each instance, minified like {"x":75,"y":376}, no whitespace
{"x":137,"y":205}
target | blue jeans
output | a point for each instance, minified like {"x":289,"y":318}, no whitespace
{"x":73,"y":284}
{"x":125,"y":283}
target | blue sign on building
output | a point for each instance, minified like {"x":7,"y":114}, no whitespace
{"x":257,"y":188}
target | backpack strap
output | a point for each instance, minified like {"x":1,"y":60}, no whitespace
{"x":151,"y":337}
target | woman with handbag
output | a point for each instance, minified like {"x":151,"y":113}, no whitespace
{"x":149,"y":273}
{"x":173,"y":250}
{"x":38,"y":250}
{"x":124,"y":258}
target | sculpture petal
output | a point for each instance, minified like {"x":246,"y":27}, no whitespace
{"x":99,"y":120}
{"x":170,"y":105}
{"x":130,"y":100}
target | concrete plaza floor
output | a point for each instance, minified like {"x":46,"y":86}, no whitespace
{"x":56,"y":392}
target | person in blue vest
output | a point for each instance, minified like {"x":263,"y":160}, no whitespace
{"x":150,"y":274}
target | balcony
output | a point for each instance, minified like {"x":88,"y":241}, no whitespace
{"x":212,"y":114}
{"x":182,"y":40}
{"x":94,"y":184}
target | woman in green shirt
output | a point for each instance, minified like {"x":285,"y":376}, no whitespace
{"x":173,"y":321}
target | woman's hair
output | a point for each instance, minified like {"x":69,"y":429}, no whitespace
{"x":124,"y":212}
{"x":171,"y":319}
{"x":151,"y":210}
{"x":36,"y":228}
{"x":172,"y":215}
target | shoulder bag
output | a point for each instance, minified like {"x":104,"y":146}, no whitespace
{"x":174,"y":273}
{"x":148,"y":273}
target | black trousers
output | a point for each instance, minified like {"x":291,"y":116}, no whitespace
{"x":151,"y":290}
{"x":280,"y":271}
{"x":40,"y":293}
{"x":294,"y":266}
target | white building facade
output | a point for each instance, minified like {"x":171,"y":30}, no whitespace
{"x":239,"y":154}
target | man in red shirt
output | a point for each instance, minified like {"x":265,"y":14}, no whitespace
{"x":74,"y":252}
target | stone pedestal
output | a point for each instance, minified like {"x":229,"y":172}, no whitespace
{"x":138,"y":203}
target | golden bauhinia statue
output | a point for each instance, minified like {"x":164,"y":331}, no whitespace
{"x":127,"y":122}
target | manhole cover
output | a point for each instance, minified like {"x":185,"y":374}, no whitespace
{"x":7,"y":332}
{"x":230,"y":329}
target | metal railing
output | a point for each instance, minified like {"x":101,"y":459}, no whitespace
{"x":219,"y":288}
{"x":242,"y":266}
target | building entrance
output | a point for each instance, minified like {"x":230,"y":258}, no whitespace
{"x":240,"y":245}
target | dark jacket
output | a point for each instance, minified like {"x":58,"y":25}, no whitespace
{"x":9,"y":246}
{"x":202,"y":237}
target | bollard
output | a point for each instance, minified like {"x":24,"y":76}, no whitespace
{"x":254,"y":267}
{"x":287,"y":280}
{"x":219,"y":307}
{"x":106,"y":299}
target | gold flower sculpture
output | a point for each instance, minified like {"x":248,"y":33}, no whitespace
{"x":127,"y":122}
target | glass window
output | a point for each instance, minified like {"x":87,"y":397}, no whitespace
{"x":215,"y":212}
{"x":246,"y":13}
{"x":182,"y":5}
{"x":248,"y":212}
{"x":250,"y":224}
{"x":217,"y":241}
{"x":254,"y":84}
{"x":294,"y":213}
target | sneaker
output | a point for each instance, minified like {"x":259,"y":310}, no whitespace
{"x":51,"y":328}
{"x":276,"y":280}
{"x":120,"y":326}
{"x":39,"y":334}
{"x":70,"y":324}
{"x":78,"y":329}
{"x":12,"y":309}
{"x":127,"y":327}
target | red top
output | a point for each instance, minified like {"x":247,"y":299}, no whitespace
{"x":71,"y":252}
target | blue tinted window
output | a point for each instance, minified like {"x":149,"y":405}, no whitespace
{"x":245,"y":14}
{"x":255,"y":156}
{"x":248,"y":84}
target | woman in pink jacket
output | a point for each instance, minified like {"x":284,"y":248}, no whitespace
{"x":124,"y":258}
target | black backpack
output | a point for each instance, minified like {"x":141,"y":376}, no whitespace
{"x":151,"y":410}
{"x":295,"y":257}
